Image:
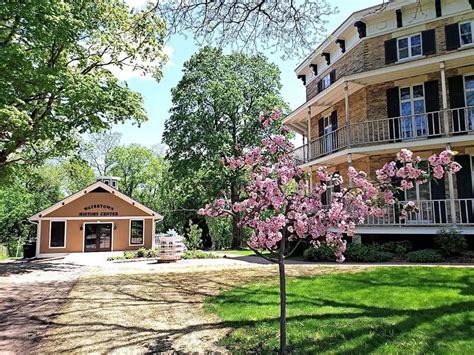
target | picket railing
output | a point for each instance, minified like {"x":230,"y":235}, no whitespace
{"x":390,"y":130}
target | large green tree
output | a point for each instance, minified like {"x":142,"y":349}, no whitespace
{"x":213,"y":115}
{"x":140,"y":170}
{"x":56,"y":58}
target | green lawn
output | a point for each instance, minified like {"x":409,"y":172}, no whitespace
{"x":239,"y":252}
{"x":387,"y":310}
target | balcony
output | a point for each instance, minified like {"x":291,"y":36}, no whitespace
{"x":431,"y":213}
{"x":437,"y":124}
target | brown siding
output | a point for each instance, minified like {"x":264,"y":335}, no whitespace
{"x":75,"y":236}
{"x":73,"y":208}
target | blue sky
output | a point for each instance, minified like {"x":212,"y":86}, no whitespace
{"x":157,"y":96}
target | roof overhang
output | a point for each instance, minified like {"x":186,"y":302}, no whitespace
{"x":40,"y":215}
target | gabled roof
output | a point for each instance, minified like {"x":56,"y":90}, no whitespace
{"x":88,"y":189}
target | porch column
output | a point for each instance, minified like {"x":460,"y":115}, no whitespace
{"x":346,"y":108}
{"x":452,"y":203}
{"x":445,"y":99}
{"x":304,"y":149}
{"x":308,"y":122}
{"x":349,"y":162}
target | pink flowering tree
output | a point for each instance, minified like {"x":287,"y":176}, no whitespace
{"x":281,"y":210}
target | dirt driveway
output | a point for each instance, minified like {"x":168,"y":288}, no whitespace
{"x":30,"y":295}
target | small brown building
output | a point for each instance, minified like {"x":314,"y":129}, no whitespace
{"x":97,"y":218}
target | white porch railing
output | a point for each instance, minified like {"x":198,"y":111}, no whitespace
{"x":390,"y":130}
{"x":431,"y":213}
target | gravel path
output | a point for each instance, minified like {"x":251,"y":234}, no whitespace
{"x":30,"y":295}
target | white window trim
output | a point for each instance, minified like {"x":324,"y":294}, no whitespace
{"x":472,"y":35}
{"x":130,"y":232}
{"x":465,"y":89}
{"x":65,"y":233}
{"x":98,"y":222}
{"x":410,"y":56}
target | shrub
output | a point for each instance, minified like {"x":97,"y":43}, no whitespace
{"x":198,"y":254}
{"x":367,"y":253}
{"x":193,"y":240}
{"x":398,"y":248}
{"x":424,"y":256}
{"x":151,"y":253}
{"x":129,"y":255}
{"x":324,"y":252}
{"x":140,"y":253}
{"x":220,"y":231}
{"x":451,"y":242}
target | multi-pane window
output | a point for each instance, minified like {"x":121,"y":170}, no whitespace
{"x":469,"y":91}
{"x":136,"y":232}
{"x":58,"y":234}
{"x":412,"y":109}
{"x":465,"y":31}
{"x":409,"y":46}
{"x":327,"y":133}
{"x":325,"y":82}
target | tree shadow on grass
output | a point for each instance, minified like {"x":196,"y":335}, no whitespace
{"x":158,"y":312}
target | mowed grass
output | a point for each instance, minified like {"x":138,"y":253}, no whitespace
{"x":387,"y":310}
{"x":236,"y":252}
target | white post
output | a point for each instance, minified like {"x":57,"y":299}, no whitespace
{"x":346,"y":107}
{"x":452,"y":203}
{"x":38,"y":238}
{"x":445,"y":99}
{"x":349,"y":162}
{"x":309,"y":139}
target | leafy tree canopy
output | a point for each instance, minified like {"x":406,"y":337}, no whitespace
{"x":213,"y":116}
{"x":56,"y":58}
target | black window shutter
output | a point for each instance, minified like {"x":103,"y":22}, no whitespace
{"x":463,"y":177}
{"x":391,"y":55}
{"x":332,"y":76}
{"x":429,"y":42}
{"x":452,"y":36}
{"x":472,"y":3}
{"x":438,"y":192}
{"x":432,"y":105}
{"x":321,"y":127}
{"x":464,"y":185}
{"x":334,"y":120}
{"x":320,"y":86}
{"x":456,"y":99}
{"x":439,"y":12}
{"x":393,"y":110}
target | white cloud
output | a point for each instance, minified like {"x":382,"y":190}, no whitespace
{"x":127,"y":71}
{"x":137,"y":4}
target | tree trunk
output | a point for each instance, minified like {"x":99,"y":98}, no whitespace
{"x":281,"y":269}
{"x":236,"y":230}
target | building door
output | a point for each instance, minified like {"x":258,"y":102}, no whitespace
{"x":97,"y":236}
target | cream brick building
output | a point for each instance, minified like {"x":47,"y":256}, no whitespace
{"x":392,"y":77}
